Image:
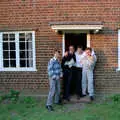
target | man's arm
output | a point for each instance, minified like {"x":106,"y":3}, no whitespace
{"x":50,"y":68}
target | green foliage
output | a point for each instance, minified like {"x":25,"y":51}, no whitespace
{"x":13,"y":96}
{"x":23,"y":110}
{"x":116,"y":98}
{"x":30,"y":101}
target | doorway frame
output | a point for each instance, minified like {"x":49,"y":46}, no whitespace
{"x":63,"y":41}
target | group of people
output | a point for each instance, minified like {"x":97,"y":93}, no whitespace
{"x":76,"y":65}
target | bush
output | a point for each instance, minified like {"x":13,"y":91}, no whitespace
{"x":13,"y":96}
{"x":30,"y":101}
{"x":116,"y":98}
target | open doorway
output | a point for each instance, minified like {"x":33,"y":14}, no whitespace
{"x":75,"y":39}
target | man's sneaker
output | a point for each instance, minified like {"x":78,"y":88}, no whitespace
{"x":91,"y":98}
{"x":50,"y":108}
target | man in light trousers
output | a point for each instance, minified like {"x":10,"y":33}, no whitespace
{"x":88,"y":61}
{"x":54,"y":73}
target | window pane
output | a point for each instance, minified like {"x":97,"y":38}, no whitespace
{"x":5,"y":54}
{"x":22,"y":63}
{"x":29,"y":37}
{"x":29,"y":63}
{"x":6,"y":63}
{"x":12,"y":37}
{"x":12,"y":46}
{"x":12,"y":54}
{"x":22,"y":37}
{"x":29,"y":45}
{"x":22,"y":54}
{"x":22,"y":45}
{"x":5,"y":46}
{"x":29,"y":54}
{"x":13,"y":63}
{"x":5,"y":37}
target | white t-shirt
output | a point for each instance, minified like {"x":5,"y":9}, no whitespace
{"x":78,"y":59}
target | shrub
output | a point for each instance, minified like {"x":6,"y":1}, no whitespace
{"x":30,"y":101}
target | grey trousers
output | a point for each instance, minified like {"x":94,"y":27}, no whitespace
{"x":54,"y":91}
{"x":87,"y":75}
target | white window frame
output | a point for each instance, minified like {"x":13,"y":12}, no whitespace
{"x":118,"y":69}
{"x":17,"y":68}
{"x":63,"y":42}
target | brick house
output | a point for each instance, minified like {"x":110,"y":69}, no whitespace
{"x":30,"y":29}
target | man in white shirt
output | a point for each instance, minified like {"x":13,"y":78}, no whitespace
{"x":78,"y":54}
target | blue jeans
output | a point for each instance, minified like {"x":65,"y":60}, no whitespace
{"x":53,"y":91}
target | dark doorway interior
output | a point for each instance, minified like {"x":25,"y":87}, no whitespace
{"x":75,"y":40}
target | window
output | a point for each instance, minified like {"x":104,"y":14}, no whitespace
{"x":118,"y":50}
{"x":17,"y":51}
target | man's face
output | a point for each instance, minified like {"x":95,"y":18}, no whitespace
{"x":79,"y":50}
{"x":71,"y":49}
{"x":88,"y":52}
{"x":57,"y":55}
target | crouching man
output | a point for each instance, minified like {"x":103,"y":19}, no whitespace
{"x":88,"y":61}
{"x":54,"y":73}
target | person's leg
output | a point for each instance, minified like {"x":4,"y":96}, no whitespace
{"x":65,"y":77}
{"x":90,"y":83}
{"x":84,"y":81}
{"x":68,"y":81}
{"x":73,"y":81}
{"x":51,"y":92}
{"x":78,"y":81}
{"x":57,"y":91}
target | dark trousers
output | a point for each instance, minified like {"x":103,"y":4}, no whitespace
{"x":67,"y":77}
{"x":78,"y":81}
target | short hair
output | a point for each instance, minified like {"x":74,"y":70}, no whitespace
{"x":71,"y":46}
{"x":79,"y":47}
{"x":88,"y":48}
{"x":56,"y":50}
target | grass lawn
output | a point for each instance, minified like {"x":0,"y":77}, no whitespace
{"x":103,"y":110}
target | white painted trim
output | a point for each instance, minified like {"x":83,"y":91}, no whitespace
{"x":18,"y":68}
{"x":17,"y":49}
{"x":88,"y":39}
{"x":1,"y":52}
{"x":118,"y":69}
{"x":34,"y":51}
{"x":77,"y":27}
{"x":63,"y":44}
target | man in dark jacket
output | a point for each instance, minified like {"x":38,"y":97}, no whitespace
{"x":68,"y":62}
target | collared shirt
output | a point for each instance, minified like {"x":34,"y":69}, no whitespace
{"x":78,"y":59}
{"x":54,"y":68}
{"x":70,"y":60}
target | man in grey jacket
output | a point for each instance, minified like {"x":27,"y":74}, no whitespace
{"x":88,"y":61}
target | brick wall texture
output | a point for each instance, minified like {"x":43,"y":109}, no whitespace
{"x":36,"y":15}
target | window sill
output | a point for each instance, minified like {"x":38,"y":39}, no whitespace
{"x":118,"y":70}
{"x":18,"y":69}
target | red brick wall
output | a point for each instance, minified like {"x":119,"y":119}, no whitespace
{"x":36,"y":15}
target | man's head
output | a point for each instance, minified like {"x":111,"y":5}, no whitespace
{"x":56,"y":53}
{"x":71,"y":49}
{"x":79,"y":49}
{"x":88,"y":51}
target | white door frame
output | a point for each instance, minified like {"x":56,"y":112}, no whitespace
{"x":63,"y":42}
